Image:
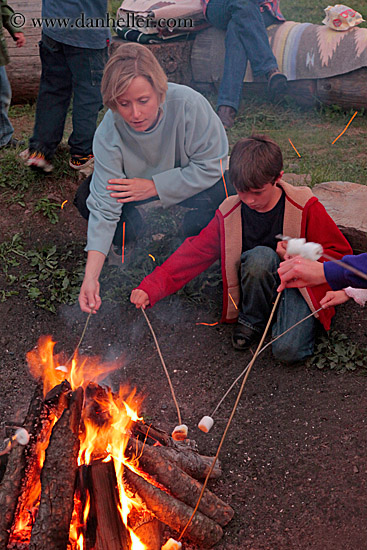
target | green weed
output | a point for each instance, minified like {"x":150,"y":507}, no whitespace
{"x":48,"y":208}
{"x":337,"y":352}
{"x":43,"y":273}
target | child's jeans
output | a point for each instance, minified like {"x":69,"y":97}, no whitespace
{"x":259,"y":281}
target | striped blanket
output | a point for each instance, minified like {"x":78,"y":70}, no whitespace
{"x":302,"y":50}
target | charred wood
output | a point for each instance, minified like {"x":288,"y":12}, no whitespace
{"x":174,"y":513}
{"x":51,"y":529}
{"x":110,"y":532}
{"x":180,"y":484}
{"x":10,"y":487}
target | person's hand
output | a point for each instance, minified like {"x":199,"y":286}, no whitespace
{"x":281,"y":249}
{"x":299,"y":272}
{"x":129,"y":190}
{"x":139,"y":298}
{"x":89,"y":298}
{"x":20,"y":38}
{"x":334,"y":298}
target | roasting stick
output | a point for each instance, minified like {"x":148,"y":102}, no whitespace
{"x":232,"y":415}
{"x":165,"y":370}
{"x":262,"y":349}
{"x":63,"y":367}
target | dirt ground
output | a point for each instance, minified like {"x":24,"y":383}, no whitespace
{"x":294,"y":466}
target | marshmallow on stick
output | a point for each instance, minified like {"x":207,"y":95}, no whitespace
{"x":180,"y":433}
{"x":172,"y":544}
{"x":206,"y":424}
{"x":299,"y":247}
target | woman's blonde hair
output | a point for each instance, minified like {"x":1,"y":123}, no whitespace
{"x":125,"y":64}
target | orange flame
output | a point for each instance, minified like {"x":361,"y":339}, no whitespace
{"x":106,"y":419}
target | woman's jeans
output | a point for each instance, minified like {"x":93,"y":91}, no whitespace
{"x":202,"y":210}
{"x":67,"y":71}
{"x":6,"y":128}
{"x":259,"y":281}
{"x":246,"y":40}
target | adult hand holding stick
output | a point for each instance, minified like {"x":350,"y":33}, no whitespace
{"x":299,"y":272}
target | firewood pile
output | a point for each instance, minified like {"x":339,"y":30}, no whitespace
{"x":68,"y":491}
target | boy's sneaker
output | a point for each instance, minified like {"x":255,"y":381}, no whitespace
{"x":244,"y":337}
{"x":78,"y":163}
{"x":36,"y":160}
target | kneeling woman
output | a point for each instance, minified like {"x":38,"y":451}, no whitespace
{"x":157,"y":141}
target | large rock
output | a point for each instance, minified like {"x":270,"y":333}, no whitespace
{"x":346,"y":203}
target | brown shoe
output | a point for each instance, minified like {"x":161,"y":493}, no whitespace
{"x":227,"y":116}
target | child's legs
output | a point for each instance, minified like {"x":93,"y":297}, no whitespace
{"x":259,"y":281}
{"x":299,"y":342}
{"x":86,"y":66}
{"x":53,"y":98}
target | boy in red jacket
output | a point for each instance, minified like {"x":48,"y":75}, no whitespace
{"x":243,"y":234}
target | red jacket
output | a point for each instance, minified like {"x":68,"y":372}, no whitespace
{"x":304,"y":216}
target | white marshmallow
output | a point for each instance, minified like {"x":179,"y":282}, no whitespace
{"x":206,"y":424}
{"x":180,"y":432}
{"x":62,"y":368}
{"x":312,"y":251}
{"x":294,"y":246}
{"x":21,"y":436}
{"x":172,"y":544}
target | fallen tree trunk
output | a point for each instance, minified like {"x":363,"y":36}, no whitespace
{"x":179,"y":484}
{"x":174,"y":513}
{"x":52,"y":526}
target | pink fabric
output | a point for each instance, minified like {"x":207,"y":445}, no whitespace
{"x":359,"y":295}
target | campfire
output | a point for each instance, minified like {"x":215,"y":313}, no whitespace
{"x":94,"y":475}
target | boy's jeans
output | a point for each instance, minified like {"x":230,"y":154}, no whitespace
{"x":6,"y":128}
{"x":66,"y":71}
{"x":246,"y":40}
{"x":259,"y":281}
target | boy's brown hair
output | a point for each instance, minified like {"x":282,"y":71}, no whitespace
{"x":128,"y":62}
{"x":254,"y":162}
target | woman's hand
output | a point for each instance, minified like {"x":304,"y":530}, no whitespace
{"x":129,"y":190}
{"x":334,"y":298}
{"x":139,"y":298}
{"x":299,"y":272}
{"x":89,"y":298}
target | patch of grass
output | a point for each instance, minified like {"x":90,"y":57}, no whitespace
{"x":43,"y":273}
{"x":337,"y":352}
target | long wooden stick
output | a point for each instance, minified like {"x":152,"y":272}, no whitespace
{"x":232,"y":413}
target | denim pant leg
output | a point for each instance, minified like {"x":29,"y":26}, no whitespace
{"x":246,"y":39}
{"x":6,"y":128}
{"x":259,"y":281}
{"x":299,"y":342}
{"x":86,"y":66}
{"x":53,"y":98}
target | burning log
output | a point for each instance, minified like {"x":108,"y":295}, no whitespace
{"x":182,"y":455}
{"x":108,"y":530}
{"x":195,"y":465}
{"x":51,"y":529}
{"x":16,"y":464}
{"x":180,"y":484}
{"x":174,"y":513}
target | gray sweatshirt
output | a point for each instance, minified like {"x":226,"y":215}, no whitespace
{"x":181,"y":154}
